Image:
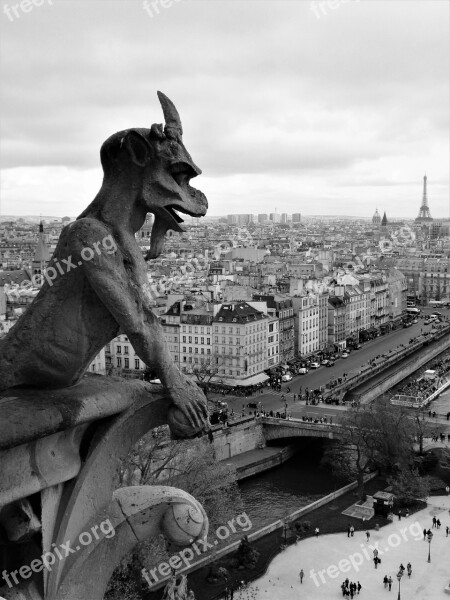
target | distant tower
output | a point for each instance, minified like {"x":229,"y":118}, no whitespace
{"x":384,"y":223}
{"x":424,"y":212}
{"x":42,"y":253}
{"x":146,"y":229}
{"x":376,"y":219}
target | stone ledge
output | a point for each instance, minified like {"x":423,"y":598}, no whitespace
{"x":28,"y":414}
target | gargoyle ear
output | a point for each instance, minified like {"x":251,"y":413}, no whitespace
{"x":138,"y":147}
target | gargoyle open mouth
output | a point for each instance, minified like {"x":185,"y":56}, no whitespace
{"x":191,"y":202}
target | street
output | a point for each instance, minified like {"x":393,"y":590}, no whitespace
{"x":271,"y":400}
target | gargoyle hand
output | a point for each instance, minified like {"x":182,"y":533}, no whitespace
{"x":190,"y":399}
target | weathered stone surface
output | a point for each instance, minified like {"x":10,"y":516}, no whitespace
{"x":27,"y":415}
{"x":96,"y":283}
{"x":30,"y":468}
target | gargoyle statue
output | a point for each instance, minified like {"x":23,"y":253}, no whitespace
{"x":101,"y":289}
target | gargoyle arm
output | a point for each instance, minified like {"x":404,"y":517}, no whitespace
{"x":129,"y":304}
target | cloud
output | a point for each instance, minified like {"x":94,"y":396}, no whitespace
{"x":266,"y":91}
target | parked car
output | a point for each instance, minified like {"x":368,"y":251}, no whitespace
{"x":330,"y":363}
{"x":428,"y":322}
{"x":324,"y":362}
{"x":415,"y":321}
{"x":302,"y":371}
{"x":436,"y":314}
{"x":344,"y":355}
{"x":286,"y":377}
{"x":315,"y":365}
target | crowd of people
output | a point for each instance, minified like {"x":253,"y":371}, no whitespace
{"x":350,"y":589}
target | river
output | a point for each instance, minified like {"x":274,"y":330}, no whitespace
{"x":274,"y":494}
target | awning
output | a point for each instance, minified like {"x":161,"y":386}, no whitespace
{"x":253,"y":380}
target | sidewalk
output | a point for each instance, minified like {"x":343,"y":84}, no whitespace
{"x":328,"y":560}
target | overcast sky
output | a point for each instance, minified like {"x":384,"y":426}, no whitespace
{"x":284,"y":105}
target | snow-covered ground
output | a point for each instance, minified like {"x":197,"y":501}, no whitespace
{"x":328,"y":560}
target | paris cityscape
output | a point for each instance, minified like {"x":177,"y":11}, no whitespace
{"x":238,"y":390}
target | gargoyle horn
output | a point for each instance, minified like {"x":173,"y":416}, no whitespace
{"x":171,"y":116}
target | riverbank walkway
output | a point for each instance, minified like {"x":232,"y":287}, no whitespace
{"x":328,"y":560}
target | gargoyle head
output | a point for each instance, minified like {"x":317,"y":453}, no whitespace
{"x":159,"y":169}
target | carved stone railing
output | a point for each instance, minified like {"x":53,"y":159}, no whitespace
{"x":64,"y":522}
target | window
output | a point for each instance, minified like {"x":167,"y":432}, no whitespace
{"x":196,"y":340}
{"x":119,"y":349}
{"x":93,"y":367}
{"x":127,"y":363}
{"x":208,"y":341}
{"x":125,"y":349}
{"x":190,"y":350}
{"x":136,"y":363}
{"x":184,"y":338}
{"x":190,"y":339}
{"x":184,"y":348}
{"x":202,"y":340}
{"x":119,"y":362}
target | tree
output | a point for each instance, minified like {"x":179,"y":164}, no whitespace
{"x":408,"y":485}
{"x":205,"y":370}
{"x":374,"y":436}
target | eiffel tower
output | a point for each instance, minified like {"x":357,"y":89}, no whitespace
{"x":424,"y":212}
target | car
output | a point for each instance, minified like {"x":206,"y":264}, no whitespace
{"x":286,"y":377}
{"x":302,"y":371}
{"x":436,"y":314}
{"x":344,"y":355}
{"x":415,"y":321}
{"x":315,"y":365}
{"x":324,"y":362}
{"x":428,"y":322}
{"x":330,"y":363}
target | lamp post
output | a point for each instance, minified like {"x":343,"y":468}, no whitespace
{"x":430,"y":537}
{"x":399,"y":577}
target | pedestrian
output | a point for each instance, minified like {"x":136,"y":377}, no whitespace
{"x":348,"y":531}
{"x":301,"y":575}
{"x":434,"y":521}
{"x":226,"y":594}
{"x":401,"y":567}
{"x":358,"y":587}
{"x":385,"y":581}
{"x":232,"y":593}
{"x":316,"y":531}
{"x":375,"y":553}
{"x":352,"y":531}
{"x":424,"y":534}
{"x":367,"y":536}
{"x":375,"y":562}
{"x":409,"y":570}
{"x":438,"y":524}
{"x":399,"y":515}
